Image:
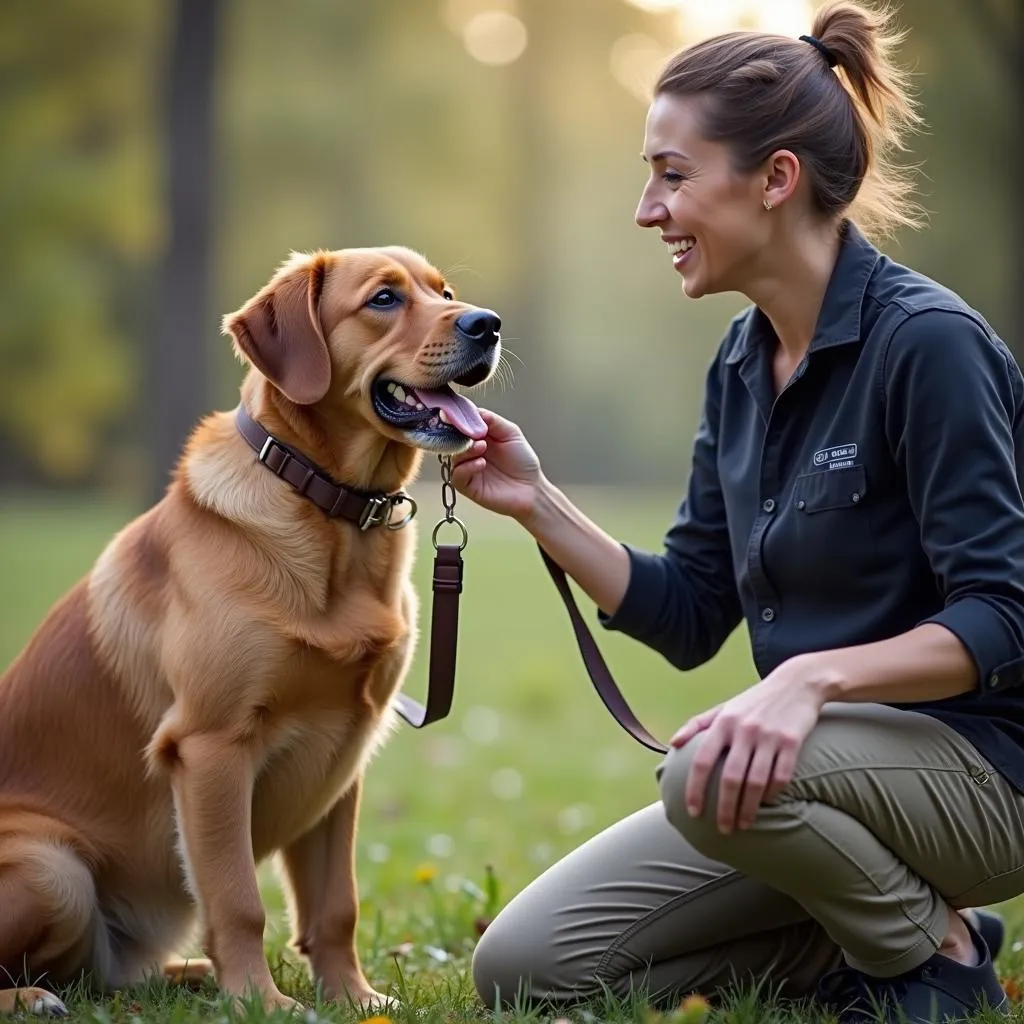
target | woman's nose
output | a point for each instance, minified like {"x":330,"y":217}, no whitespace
{"x":650,"y":211}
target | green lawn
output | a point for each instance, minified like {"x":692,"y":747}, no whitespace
{"x":528,"y":765}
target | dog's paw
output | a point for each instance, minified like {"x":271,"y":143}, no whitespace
{"x":190,"y":973}
{"x":46,"y":1004}
{"x":35,"y":1000}
{"x":368,"y":999}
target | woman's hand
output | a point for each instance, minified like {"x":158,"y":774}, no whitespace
{"x":502,"y":472}
{"x":764,"y":729}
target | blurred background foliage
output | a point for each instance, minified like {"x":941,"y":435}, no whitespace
{"x":161,"y":157}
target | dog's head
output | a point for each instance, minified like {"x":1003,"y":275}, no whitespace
{"x":376,"y":331}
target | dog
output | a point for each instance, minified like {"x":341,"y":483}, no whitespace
{"x":211,"y":692}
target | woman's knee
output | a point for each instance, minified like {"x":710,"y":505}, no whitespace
{"x":673,"y":777}
{"x":504,"y":967}
{"x":700,"y":831}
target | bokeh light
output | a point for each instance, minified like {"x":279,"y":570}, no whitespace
{"x":494,"y":37}
{"x":699,"y":19}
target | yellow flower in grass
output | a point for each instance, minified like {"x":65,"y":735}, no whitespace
{"x":425,"y":873}
{"x":377,"y":1020}
{"x":693,"y":1010}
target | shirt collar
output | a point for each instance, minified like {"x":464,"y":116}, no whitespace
{"x":839,"y":321}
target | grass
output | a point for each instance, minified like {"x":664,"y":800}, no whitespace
{"x":459,"y":816}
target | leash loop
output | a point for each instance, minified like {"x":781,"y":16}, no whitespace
{"x":448,"y":495}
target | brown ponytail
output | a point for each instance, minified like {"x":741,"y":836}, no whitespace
{"x":765,"y":92}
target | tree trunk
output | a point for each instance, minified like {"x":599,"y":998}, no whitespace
{"x":178,"y":389}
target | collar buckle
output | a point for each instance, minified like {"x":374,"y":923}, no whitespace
{"x":376,"y":513}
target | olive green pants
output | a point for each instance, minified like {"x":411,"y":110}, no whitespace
{"x":891,"y":818}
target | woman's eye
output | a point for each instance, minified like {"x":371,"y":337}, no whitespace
{"x":672,"y":177}
{"x":384,"y":298}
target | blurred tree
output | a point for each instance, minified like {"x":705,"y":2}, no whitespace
{"x":178,"y":352}
{"x":76,"y":213}
{"x":969,"y":67}
{"x":366,"y":123}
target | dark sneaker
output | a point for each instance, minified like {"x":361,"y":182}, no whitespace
{"x":992,"y":930}
{"x":937,"y":991}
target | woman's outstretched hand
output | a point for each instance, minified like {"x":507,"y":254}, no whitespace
{"x":502,"y":472}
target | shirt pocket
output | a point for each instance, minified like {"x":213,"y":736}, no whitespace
{"x":830,"y":489}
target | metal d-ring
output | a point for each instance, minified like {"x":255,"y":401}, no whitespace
{"x":455,"y":521}
{"x":401,"y":499}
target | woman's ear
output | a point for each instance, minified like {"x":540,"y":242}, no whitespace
{"x":781,"y":175}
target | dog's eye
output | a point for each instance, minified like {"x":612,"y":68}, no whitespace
{"x":384,"y":299}
{"x":448,"y":294}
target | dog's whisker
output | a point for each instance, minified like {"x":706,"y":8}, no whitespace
{"x":461,"y":268}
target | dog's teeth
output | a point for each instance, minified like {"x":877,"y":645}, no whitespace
{"x":420,"y":406}
{"x":443,"y":416}
{"x":392,"y":386}
{"x":410,"y":401}
{"x":433,"y":422}
{"x":399,"y":392}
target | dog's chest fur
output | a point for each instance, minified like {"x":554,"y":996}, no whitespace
{"x":300,"y":667}
{"x":331,"y":718}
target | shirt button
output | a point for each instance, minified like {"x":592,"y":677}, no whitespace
{"x":768,"y":505}
{"x":855,"y":497}
{"x":768,"y":614}
{"x":993,"y":680}
{"x":801,"y":504}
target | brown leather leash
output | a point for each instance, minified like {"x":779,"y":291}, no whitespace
{"x":374,"y":510}
{"x":606,"y":687}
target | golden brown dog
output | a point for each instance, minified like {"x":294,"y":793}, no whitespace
{"x":211,"y":692}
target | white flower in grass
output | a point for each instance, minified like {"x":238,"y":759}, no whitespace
{"x":482,"y":725}
{"x":507,"y":784}
{"x":440,"y":845}
{"x":572,"y":819}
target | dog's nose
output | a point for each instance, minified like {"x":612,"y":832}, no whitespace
{"x":481,"y":326}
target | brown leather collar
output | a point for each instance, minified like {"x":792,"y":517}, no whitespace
{"x":363,"y":509}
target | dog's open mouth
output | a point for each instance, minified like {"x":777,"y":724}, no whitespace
{"x":441,"y":414}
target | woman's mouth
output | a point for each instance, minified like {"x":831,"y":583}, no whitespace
{"x":681,"y":250}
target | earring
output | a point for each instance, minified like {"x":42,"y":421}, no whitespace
{"x":768,"y":205}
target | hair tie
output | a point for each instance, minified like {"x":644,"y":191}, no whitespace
{"x":822,"y":49}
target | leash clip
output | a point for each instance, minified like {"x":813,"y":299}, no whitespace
{"x":448,"y":500}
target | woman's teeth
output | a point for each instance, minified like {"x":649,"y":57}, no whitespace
{"x":675,"y":248}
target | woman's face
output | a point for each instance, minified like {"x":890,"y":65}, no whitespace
{"x":711,"y":217}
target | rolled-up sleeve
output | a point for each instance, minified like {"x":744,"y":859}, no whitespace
{"x":683,"y":603}
{"x":955,"y":424}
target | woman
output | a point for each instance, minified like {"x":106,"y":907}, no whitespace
{"x":855,"y":498}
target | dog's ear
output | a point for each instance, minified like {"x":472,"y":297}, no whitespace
{"x":279,"y":332}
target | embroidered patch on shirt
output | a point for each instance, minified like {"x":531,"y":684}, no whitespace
{"x":837,"y":457}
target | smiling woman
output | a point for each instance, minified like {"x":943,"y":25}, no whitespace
{"x":855,"y":499}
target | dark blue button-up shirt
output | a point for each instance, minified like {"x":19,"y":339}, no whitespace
{"x":879,"y":490}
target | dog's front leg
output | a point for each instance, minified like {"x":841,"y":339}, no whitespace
{"x":213,"y":783}
{"x":320,"y":871}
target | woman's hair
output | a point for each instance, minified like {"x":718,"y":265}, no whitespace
{"x":761,"y":93}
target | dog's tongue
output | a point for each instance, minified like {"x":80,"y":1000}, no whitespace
{"x":462,"y":414}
